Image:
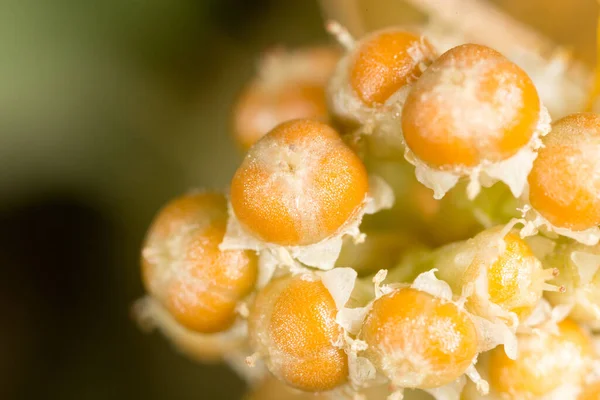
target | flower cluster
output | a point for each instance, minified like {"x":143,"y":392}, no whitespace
{"x":407,"y":221}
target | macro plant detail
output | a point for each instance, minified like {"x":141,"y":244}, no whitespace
{"x":409,"y":220}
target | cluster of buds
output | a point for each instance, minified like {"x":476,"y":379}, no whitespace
{"x":407,"y":222}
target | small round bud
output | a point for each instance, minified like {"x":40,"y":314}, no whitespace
{"x":298,"y":185}
{"x":470,"y":106}
{"x":564,"y":184}
{"x":515,"y":278}
{"x":384,"y":62}
{"x":546,"y":361}
{"x":496,"y":271}
{"x":292,"y":326}
{"x":184,"y":269}
{"x":289,"y":85}
{"x":419,"y":340}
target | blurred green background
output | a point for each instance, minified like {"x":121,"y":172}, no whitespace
{"x":108,"y":109}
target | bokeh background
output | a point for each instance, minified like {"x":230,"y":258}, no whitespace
{"x":108,"y":109}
